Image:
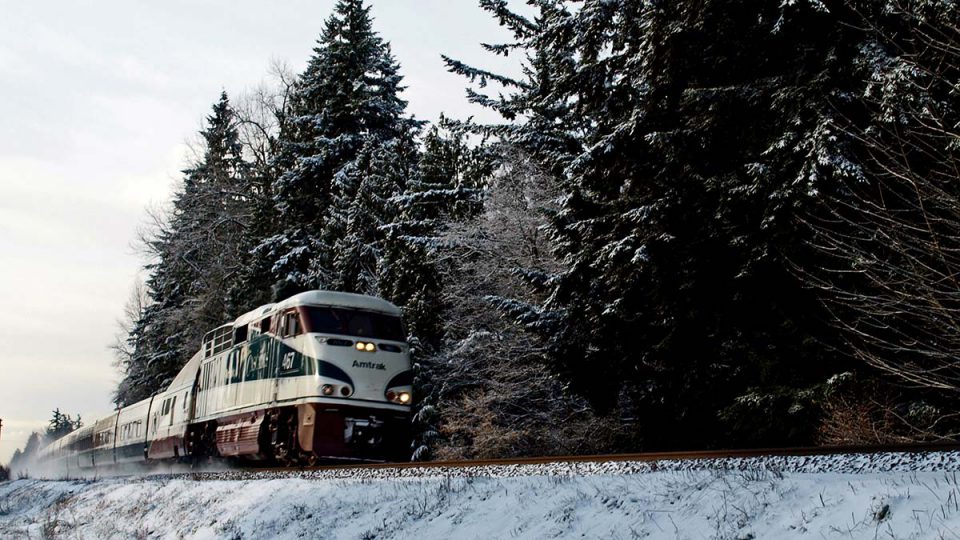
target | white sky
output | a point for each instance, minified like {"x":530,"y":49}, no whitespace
{"x":96,"y":102}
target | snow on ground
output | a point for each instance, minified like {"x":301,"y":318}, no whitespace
{"x":876,"y":496}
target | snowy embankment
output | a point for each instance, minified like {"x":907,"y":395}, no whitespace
{"x":875,"y":496}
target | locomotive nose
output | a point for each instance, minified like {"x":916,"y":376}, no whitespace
{"x":363,"y":368}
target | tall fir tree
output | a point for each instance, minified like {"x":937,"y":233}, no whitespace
{"x":61,"y":424}
{"x":198,"y":251}
{"x":346,"y":100}
{"x":368,"y":212}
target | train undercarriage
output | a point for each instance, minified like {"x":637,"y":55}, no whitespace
{"x":303,"y":435}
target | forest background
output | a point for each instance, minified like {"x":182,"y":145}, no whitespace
{"x":699,"y":225}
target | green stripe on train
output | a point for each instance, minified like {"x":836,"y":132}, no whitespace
{"x":270,"y":358}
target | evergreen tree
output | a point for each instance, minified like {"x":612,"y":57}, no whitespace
{"x":158,"y":349}
{"x":346,"y":100}
{"x":251,"y":286}
{"x":211,"y":220}
{"x":688,"y":137}
{"x":198,"y":250}
{"x":61,"y":424}
{"x":446,"y":187}
{"x":368,"y":212}
{"x":451,"y":180}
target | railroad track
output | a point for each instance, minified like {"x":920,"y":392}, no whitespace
{"x":346,"y":468}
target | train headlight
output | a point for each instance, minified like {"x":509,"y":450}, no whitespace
{"x":345,"y":391}
{"x":327,"y":389}
{"x":403,"y":398}
{"x":366,"y":347}
{"x":359,"y":345}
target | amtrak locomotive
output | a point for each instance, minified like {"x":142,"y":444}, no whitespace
{"x":321,"y":375}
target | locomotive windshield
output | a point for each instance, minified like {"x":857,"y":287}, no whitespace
{"x":351,"y":322}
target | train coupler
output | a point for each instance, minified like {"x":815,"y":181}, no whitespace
{"x":363,"y":431}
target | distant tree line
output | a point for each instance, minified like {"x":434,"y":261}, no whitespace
{"x":60,"y":424}
{"x":700,"y":224}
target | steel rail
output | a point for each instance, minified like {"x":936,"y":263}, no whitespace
{"x":639,"y":457}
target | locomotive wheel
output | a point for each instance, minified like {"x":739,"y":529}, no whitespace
{"x":309,"y":459}
{"x":203,"y":444}
{"x":282,"y":428}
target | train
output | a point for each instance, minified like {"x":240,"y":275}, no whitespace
{"x":320,"y":376}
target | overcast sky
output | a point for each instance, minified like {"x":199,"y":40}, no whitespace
{"x":97,"y":100}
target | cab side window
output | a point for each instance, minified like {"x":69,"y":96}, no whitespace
{"x":291,"y":324}
{"x":240,"y":334}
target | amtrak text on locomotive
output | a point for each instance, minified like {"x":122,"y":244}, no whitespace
{"x":368,"y":365}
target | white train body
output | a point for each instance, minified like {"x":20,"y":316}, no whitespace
{"x":319,"y":375}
